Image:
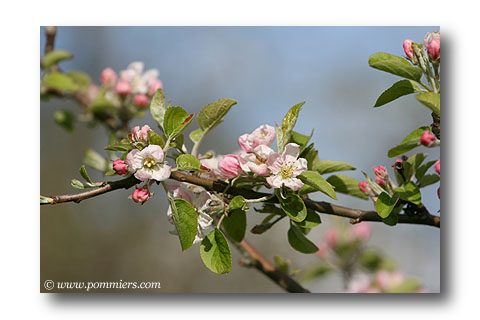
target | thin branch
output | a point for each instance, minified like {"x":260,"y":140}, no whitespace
{"x":50,"y":32}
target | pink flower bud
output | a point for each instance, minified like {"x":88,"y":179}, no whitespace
{"x":331,"y":237}
{"x":380,"y":182}
{"x":108,"y":77}
{"x":120,"y":167}
{"x":140,"y":195}
{"x":399,"y":160}
{"x":157,"y":84}
{"x":141,"y":100}
{"x":363,"y":186}
{"x":92,"y":92}
{"x":380,"y":171}
{"x":407,"y":46}
{"x":229,"y":166}
{"x":123,"y":88}
{"x":322,"y":250}
{"x":361,"y":231}
{"x":434,"y":49}
{"x":139,"y":135}
{"x":246,"y":142}
{"x":427,"y":138}
{"x":437,"y":166}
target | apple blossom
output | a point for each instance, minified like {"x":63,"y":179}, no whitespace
{"x":381,"y":172}
{"x":286,"y":167}
{"x":427,"y":139}
{"x":388,"y":280}
{"x":211,"y":165}
{"x":363,"y":186}
{"x":123,"y":88}
{"x":139,"y":135}
{"x":407,"y":47}
{"x":380,"y":181}
{"x":141,"y":100}
{"x":148,"y":163}
{"x":229,"y":166}
{"x":263,"y":135}
{"x":256,"y":161}
{"x":108,"y":77}
{"x":157,"y":84}
{"x":437,"y":166}
{"x":361,"y":231}
{"x":140,"y":81}
{"x":432,"y":43}
{"x":140,"y":195}
{"x":120,"y":167}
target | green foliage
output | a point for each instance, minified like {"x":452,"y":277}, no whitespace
{"x":122,"y":146}
{"x":185,"y":221}
{"x":60,"y":82}
{"x":346,"y":185}
{"x":428,"y":179}
{"x":316,"y":181}
{"x":94,"y":160}
{"x":397,"y":90}
{"x":54,"y":57}
{"x":154,"y":138}
{"x":235,"y":224}
{"x":238,"y":202}
{"x":65,"y":119}
{"x":423,"y":169}
{"x":195,"y":135}
{"x":284,"y":132}
{"x":409,"y":192}
{"x":294,"y":207}
{"x":430,"y":100}
{"x":215,"y":252}
{"x":157,"y":107}
{"x":101,"y":104}
{"x":84,"y":174}
{"x":410,"y":142}
{"x":328,"y":166}
{"x":211,"y":116}
{"x":187,"y":162}
{"x":395,"y":65}
{"x":385,"y":204}
{"x":300,"y":139}
{"x":299,"y":242}
{"x":81,"y":79}
{"x":311,"y":220}
{"x":176,"y":120}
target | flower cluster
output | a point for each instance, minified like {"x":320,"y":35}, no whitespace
{"x":431,"y":43}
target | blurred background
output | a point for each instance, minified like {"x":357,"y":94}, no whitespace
{"x":267,"y":70}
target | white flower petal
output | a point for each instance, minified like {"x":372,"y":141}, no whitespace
{"x":143,"y":174}
{"x":161,"y":172}
{"x":291,"y":152}
{"x":293,"y":183}
{"x":275,"y":181}
{"x":299,"y":166}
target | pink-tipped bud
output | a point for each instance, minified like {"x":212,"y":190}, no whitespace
{"x":108,"y":77}
{"x":123,"y":88}
{"x":139,"y":135}
{"x":363,"y":186}
{"x":157,"y":84}
{"x":229,"y":166}
{"x":380,"y":171}
{"x":322,"y":250}
{"x":141,"y":100}
{"x":361,"y":231}
{"x":432,"y":42}
{"x":437,"y":166}
{"x":331,"y":237}
{"x":397,"y":163}
{"x":427,"y":138}
{"x":140,"y":195}
{"x":380,"y":182}
{"x":407,"y":46}
{"x":120,"y":167}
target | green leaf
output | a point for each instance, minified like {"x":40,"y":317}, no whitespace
{"x":44,"y":199}
{"x":328,"y":166}
{"x":81,"y":79}
{"x":176,"y":120}
{"x":121,"y":146}
{"x":54,"y":57}
{"x":157,"y":107}
{"x":410,"y":142}
{"x":299,"y":242}
{"x":95,"y":160}
{"x":300,"y":139}
{"x":101,"y":104}
{"x":59,"y":81}
{"x":311,"y":220}
{"x":311,"y":155}
{"x":215,"y":252}
{"x":315,"y":180}
{"x":235,"y":224}
{"x":423,"y":169}
{"x":431,"y":100}
{"x":65,"y":119}
{"x":195,"y":135}
{"x":391,"y":220}
{"x":416,"y":160}
{"x":294,"y":207}
{"x":211,"y":115}
{"x":428,"y":180}
{"x":187,"y":162}
{"x":284,"y":132}
{"x":385,"y":204}
{"x":394,"y":65}
{"x":409,"y":192}
{"x":185,"y":220}
{"x":346,"y":185}
{"x":84,"y":174}
{"x":399,"y":89}
{"x":77,"y":184}
{"x":154,"y":138}
{"x":238,"y":202}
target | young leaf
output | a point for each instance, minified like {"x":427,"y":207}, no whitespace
{"x":65,"y":119}
{"x":385,"y":204}
{"x":94,"y":160}
{"x":59,"y":81}
{"x":187,"y":162}
{"x":410,"y":192}
{"x":176,"y":120}
{"x":84,"y":174}
{"x":238,"y":202}
{"x":395,"y":65}
{"x":284,"y":133}
{"x":315,"y":180}
{"x":346,"y":185}
{"x":410,"y":142}
{"x":311,"y":220}
{"x":195,"y":135}
{"x":428,"y":179}
{"x":294,"y":207}
{"x":235,"y":224}
{"x":185,"y":220}
{"x":328,"y":166}
{"x":211,"y":115}
{"x":299,"y":242}
{"x":54,"y":57}
{"x":431,"y":100}
{"x":399,"y":89}
{"x":416,"y":160}
{"x":300,"y":139}
{"x":154,"y":138}
{"x":101,"y":104}
{"x":121,"y":146}
{"x":157,"y":107}
{"x":423,"y":169}
{"x":81,"y":79}
{"x":215,"y":252}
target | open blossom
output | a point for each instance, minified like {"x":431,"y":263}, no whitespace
{"x":256,"y":161}
{"x":140,"y":81}
{"x":432,"y":43}
{"x":139,"y":135}
{"x":211,"y":165}
{"x":263,"y":135}
{"x":120,"y":167}
{"x":286,"y":167}
{"x":204,"y":203}
{"x":427,"y":138}
{"x":407,"y":47}
{"x":148,"y":163}
{"x":140,"y":195}
{"x":229,"y":166}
